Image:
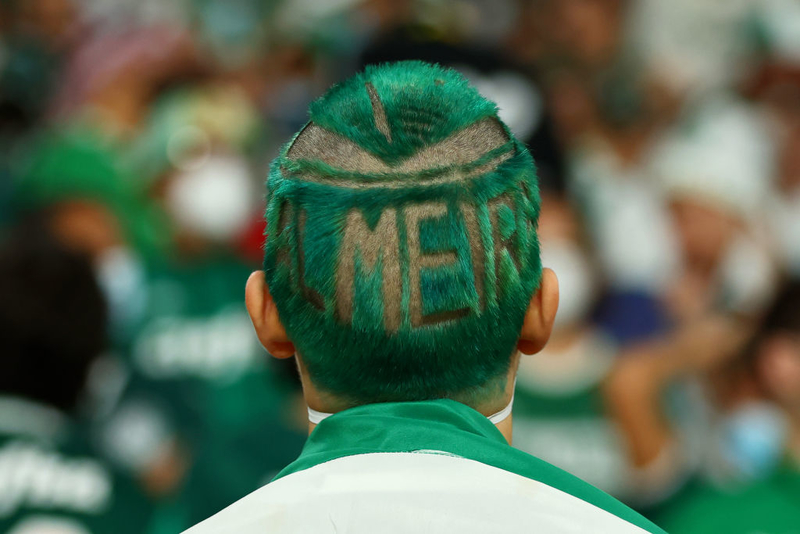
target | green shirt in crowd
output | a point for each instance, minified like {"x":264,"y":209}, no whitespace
{"x":51,"y":481}
{"x":199,"y":376}
{"x":559,"y":413}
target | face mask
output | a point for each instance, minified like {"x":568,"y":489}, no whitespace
{"x":575,"y":280}
{"x":753,"y":440}
{"x":214,"y":200}
{"x":503,"y":414}
{"x":121,"y":278}
{"x":316,"y":417}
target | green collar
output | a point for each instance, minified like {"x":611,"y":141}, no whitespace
{"x":395,"y":427}
{"x":447,"y":426}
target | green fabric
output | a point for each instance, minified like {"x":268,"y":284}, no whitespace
{"x":57,"y":478}
{"x":477,"y":235}
{"x":447,"y":426}
{"x":770,"y":506}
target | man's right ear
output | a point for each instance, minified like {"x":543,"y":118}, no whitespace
{"x":264,"y":315}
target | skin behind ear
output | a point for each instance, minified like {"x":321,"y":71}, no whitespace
{"x":541,"y":314}
{"x":264,"y":315}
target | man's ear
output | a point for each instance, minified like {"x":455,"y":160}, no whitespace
{"x":264,"y":315}
{"x":540,"y":316}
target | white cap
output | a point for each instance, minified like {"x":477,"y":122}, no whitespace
{"x":723,"y":157}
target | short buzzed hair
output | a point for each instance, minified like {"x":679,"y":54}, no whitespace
{"x":402,"y":249}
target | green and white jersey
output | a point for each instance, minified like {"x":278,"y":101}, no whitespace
{"x":195,"y":327}
{"x":50,"y":482}
{"x":559,"y":413}
{"x":432,"y":466}
{"x":199,"y":376}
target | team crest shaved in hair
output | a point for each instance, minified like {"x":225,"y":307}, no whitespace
{"x":402,"y":248}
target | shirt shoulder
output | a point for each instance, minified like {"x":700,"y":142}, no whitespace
{"x":402,"y":492}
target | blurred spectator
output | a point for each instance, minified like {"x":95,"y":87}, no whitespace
{"x":776,"y":84}
{"x":198,"y":374}
{"x":580,"y":34}
{"x":52,"y":329}
{"x":112,"y":77}
{"x":38,"y":37}
{"x":98,"y":207}
{"x":753,"y":475}
{"x":693,"y":46}
{"x":611,"y":133}
{"x":610,"y":113}
{"x":160,"y":202}
{"x":716,"y":175}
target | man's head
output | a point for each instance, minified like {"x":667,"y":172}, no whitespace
{"x":402,"y":261}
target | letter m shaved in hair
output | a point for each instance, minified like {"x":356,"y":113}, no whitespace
{"x":377,"y":250}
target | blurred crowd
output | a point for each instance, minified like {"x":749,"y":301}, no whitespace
{"x":135,"y":136}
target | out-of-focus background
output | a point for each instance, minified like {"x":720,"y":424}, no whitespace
{"x":135,"y":136}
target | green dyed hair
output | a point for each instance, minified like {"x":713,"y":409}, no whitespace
{"x":402,"y":249}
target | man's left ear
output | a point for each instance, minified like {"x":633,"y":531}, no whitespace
{"x":264,"y":315}
{"x":540,"y":316}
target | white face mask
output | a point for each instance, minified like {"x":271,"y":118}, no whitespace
{"x":576,"y":281}
{"x":752,"y":440}
{"x":316,"y":417}
{"x":215,"y":199}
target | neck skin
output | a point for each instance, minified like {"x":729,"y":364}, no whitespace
{"x":325,"y":403}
